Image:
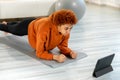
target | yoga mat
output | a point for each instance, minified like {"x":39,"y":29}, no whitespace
{"x":20,"y":43}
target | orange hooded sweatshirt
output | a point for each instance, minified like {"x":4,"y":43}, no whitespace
{"x":43,"y":36}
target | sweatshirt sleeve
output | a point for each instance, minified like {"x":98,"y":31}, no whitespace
{"x":40,"y":45}
{"x":63,"y":46}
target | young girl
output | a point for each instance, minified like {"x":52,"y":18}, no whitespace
{"x":46,"y":33}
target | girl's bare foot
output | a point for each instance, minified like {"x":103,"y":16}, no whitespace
{"x":4,"y":22}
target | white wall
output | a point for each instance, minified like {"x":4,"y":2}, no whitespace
{"x":114,"y":3}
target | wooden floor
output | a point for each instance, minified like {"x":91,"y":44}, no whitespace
{"x":97,"y":34}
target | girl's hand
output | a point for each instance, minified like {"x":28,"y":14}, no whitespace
{"x":73,"y":54}
{"x":59,"y":58}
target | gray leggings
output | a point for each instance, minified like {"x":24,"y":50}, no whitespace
{"x":17,"y":28}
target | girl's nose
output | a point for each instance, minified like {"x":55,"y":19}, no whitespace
{"x":68,"y":31}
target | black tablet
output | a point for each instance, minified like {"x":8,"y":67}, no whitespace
{"x":103,"y":66}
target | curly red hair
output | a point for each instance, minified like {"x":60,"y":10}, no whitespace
{"x":63,"y":16}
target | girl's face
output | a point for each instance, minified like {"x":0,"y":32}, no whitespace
{"x":65,"y":29}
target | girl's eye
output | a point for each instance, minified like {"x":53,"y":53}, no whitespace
{"x":66,"y":28}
